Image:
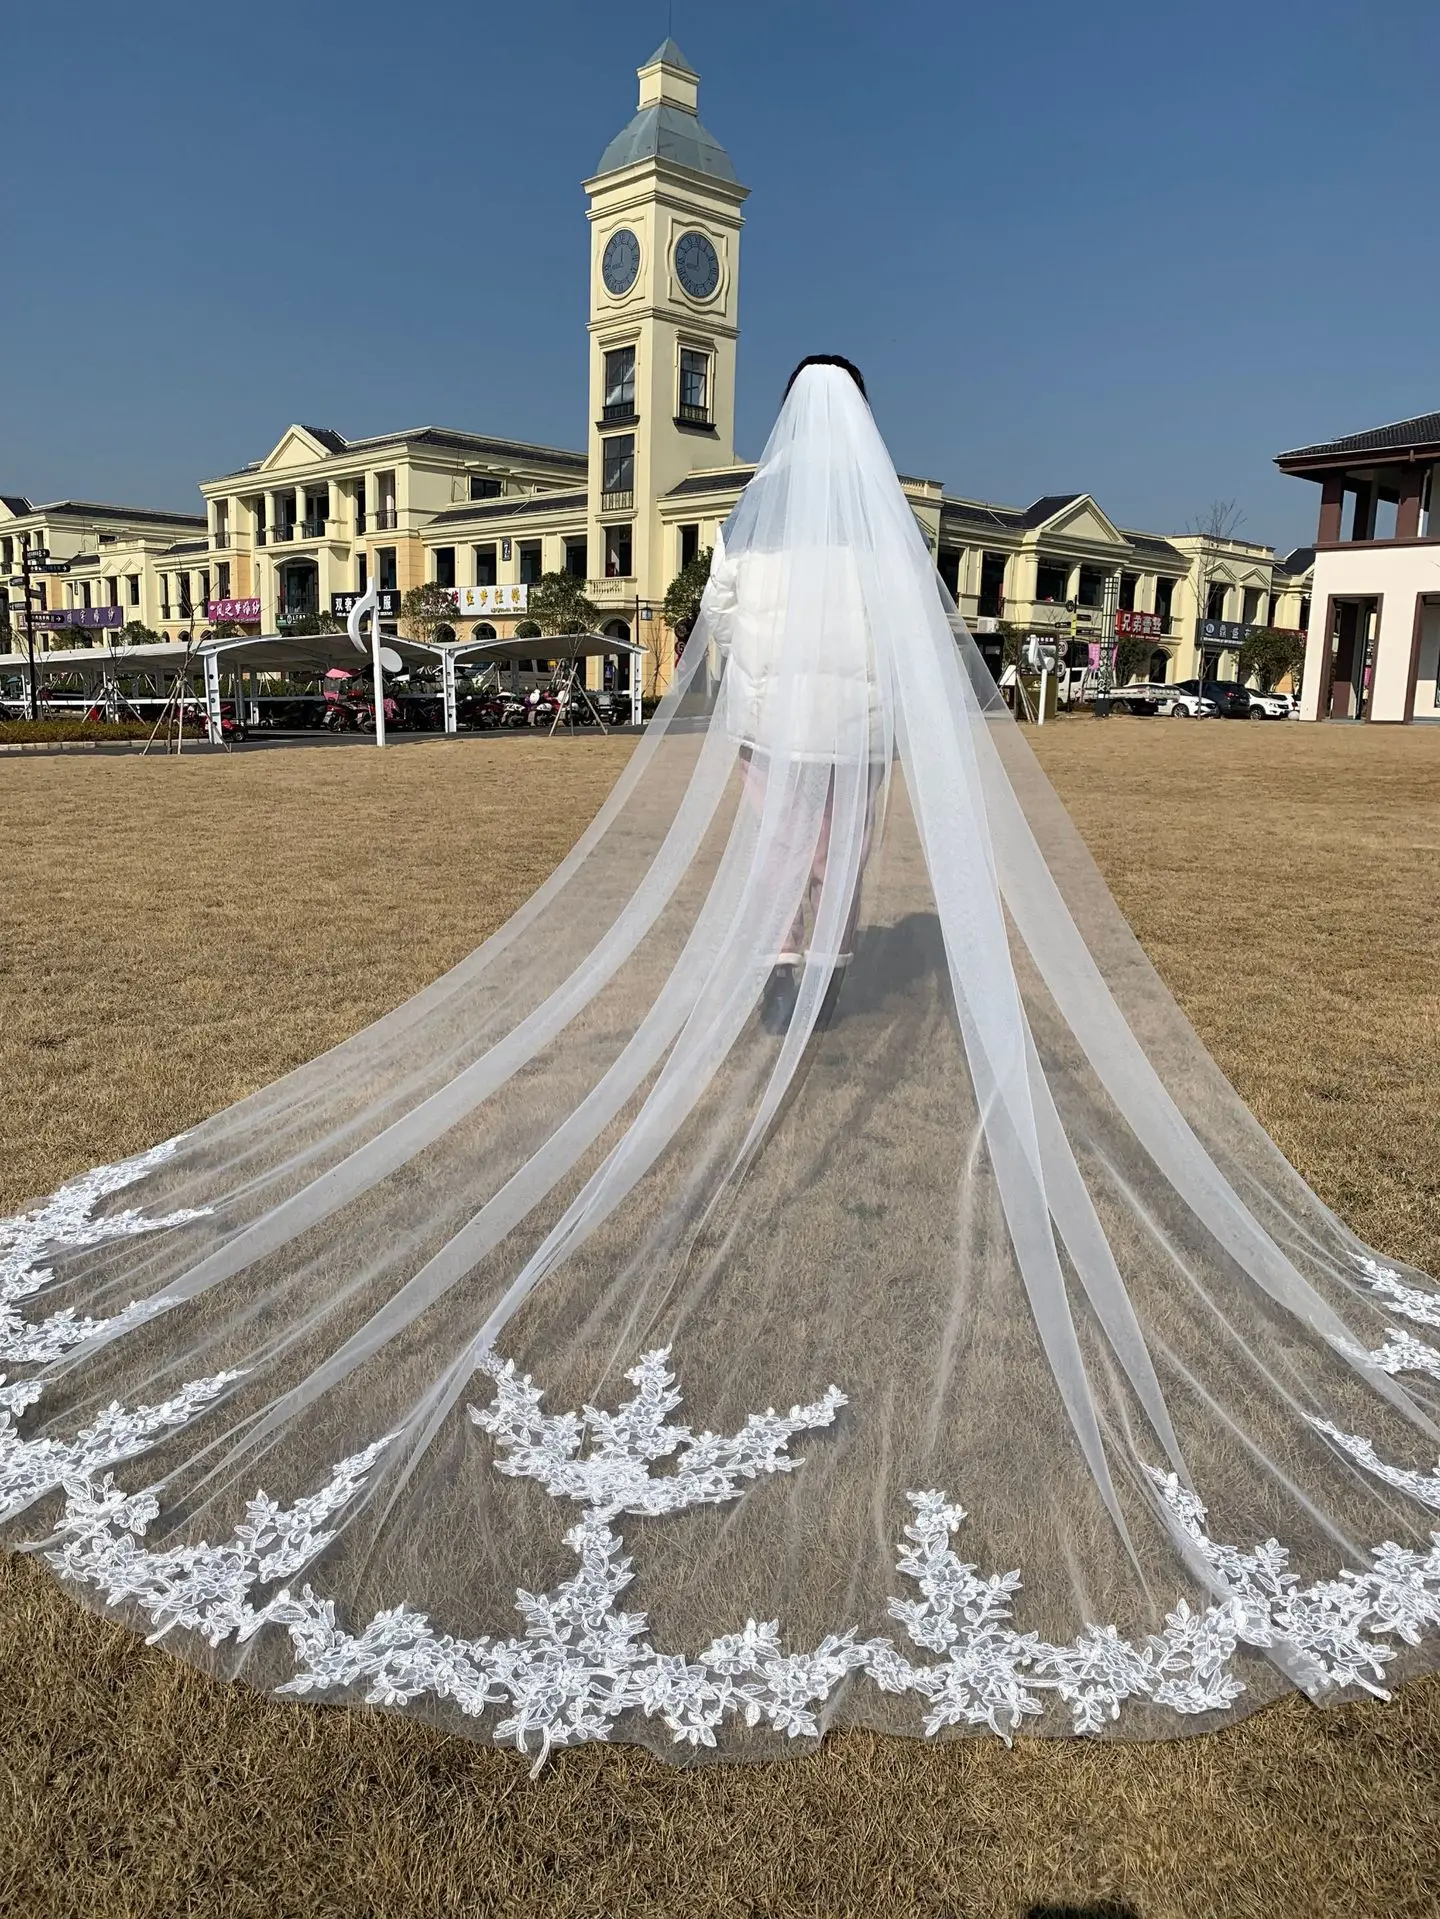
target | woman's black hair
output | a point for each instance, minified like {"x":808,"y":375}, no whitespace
{"x":830,"y":359}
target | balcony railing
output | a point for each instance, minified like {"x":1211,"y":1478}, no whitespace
{"x":691,"y":415}
{"x":222,"y":537}
{"x":619,"y":501}
{"x":616,"y":410}
{"x":386,"y":519}
{"x":284,"y":531}
{"x":359,"y":520}
{"x":314,"y":529}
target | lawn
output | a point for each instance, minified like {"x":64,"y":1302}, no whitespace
{"x":179,"y":932}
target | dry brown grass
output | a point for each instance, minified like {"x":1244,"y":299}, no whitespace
{"x":176,"y":934}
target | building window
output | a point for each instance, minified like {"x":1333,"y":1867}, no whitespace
{"x":317,"y":513}
{"x":1164,"y":597}
{"x":387,"y":575}
{"x":1128,"y":584}
{"x":386,"y":518}
{"x":483,"y":486}
{"x":485,"y":574}
{"x":362,"y":571}
{"x":617,"y":474}
{"x":444,"y":566}
{"x":992,"y":585}
{"x":1250,"y":609}
{"x":1052,"y":581}
{"x":1092,"y":586}
{"x":7,"y":555}
{"x":617,"y":553}
{"x":358,"y":505}
{"x":182,"y":593}
{"x":85,"y":593}
{"x":947,"y":565}
{"x":112,"y":592}
{"x":484,"y":631}
{"x":530,"y":567}
{"x":1215,"y":601}
{"x":222,"y":523}
{"x":1159,"y":666}
{"x":164,"y":596}
{"x":205,"y":587}
{"x":694,"y":387}
{"x":619,"y":384}
{"x":689,"y":545}
{"x":222,"y":590}
{"x":1305,"y":624}
{"x":577,"y":559}
{"x":132,"y":584}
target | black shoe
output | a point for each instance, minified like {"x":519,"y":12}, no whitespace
{"x":831,"y":999}
{"x":777,"y":1002}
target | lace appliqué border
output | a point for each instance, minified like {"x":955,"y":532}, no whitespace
{"x":582,"y":1663}
{"x":67,"y":1219}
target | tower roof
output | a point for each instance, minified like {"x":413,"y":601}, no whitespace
{"x":669,"y":55}
{"x":667,"y":126}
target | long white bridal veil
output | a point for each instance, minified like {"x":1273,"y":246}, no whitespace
{"x":802,"y":1271}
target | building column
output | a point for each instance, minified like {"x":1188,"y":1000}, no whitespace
{"x":1332,"y":506}
{"x":1363,"y":527}
{"x":1407,"y":513}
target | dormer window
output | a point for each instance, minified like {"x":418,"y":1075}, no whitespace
{"x":483,"y":486}
{"x":619,"y":384}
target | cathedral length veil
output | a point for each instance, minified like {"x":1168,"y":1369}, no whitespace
{"x":572,"y":1354}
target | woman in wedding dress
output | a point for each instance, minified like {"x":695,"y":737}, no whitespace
{"x":619,"y":1340}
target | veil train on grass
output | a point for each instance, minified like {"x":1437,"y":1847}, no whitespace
{"x":803,"y":1270}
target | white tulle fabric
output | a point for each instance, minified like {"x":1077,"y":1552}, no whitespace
{"x":367,"y":1388}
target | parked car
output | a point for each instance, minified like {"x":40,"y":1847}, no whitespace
{"x":1191,"y":706}
{"x":1269,"y":706}
{"x":1229,"y":699}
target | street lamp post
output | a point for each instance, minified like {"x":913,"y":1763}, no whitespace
{"x":39,"y":555}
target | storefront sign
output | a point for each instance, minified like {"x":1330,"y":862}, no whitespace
{"x":492,"y":599}
{"x":238,"y":612}
{"x":81,"y":616}
{"x":1224,"y":633}
{"x":343,"y":604}
{"x":1144,"y":626}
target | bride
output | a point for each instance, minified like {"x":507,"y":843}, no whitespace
{"x":803,"y":1270}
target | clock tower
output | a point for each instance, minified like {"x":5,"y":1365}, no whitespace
{"x":664,"y":319}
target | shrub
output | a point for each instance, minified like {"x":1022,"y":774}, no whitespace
{"x":54,"y":732}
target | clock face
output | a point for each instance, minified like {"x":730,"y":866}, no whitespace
{"x":697,"y":265}
{"x":621,"y":262}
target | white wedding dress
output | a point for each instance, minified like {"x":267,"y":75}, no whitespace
{"x":571,"y":1355}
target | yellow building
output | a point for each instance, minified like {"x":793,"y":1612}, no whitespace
{"x":311,"y":523}
{"x":106,"y":562}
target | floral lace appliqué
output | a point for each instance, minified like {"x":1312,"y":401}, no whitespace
{"x":582,"y":1664}
{"x":67,"y":1221}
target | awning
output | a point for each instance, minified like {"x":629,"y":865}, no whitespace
{"x":549,"y":646}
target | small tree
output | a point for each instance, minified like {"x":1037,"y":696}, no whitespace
{"x":527,"y":630}
{"x":136,"y":633}
{"x":1132,"y":657}
{"x":1220,"y":521}
{"x":1269,"y":656}
{"x":681,"y":605}
{"x":559,"y":604}
{"x":426,"y":608}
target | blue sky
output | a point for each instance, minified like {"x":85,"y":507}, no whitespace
{"x":1129,"y":248}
